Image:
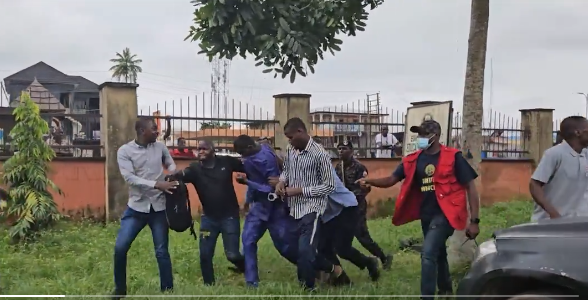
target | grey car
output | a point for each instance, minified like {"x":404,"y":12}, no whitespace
{"x":543,"y":260}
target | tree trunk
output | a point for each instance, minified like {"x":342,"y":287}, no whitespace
{"x":473,"y":112}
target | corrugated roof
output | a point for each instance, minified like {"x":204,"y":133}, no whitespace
{"x":41,"y":96}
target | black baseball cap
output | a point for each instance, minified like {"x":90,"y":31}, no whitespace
{"x":345,"y":143}
{"x":427,"y":127}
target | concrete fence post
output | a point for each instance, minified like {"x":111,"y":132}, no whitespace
{"x":118,"y":107}
{"x":287,"y":106}
{"x":537,"y":126}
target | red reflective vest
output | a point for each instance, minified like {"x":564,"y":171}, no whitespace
{"x":451,"y":195}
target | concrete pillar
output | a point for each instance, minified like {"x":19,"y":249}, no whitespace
{"x":287,"y":106}
{"x":118,"y":107}
{"x":537,"y":126}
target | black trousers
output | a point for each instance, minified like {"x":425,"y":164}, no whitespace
{"x":337,"y":239}
{"x":363,"y":234}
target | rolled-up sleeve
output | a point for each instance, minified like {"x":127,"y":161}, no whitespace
{"x":128,"y":172}
{"x":325,"y":171}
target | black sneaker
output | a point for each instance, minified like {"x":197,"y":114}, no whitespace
{"x":117,"y":295}
{"x":445,"y":293}
{"x":373,"y":268}
{"x":387,"y":262}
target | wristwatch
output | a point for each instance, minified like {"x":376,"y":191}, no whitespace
{"x":475,"y":221}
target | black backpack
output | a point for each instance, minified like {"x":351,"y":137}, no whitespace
{"x":178,"y":210}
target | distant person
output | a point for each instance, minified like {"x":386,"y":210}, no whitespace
{"x":140,"y":165}
{"x":181,"y":150}
{"x":558,"y":185}
{"x":385,"y":143}
{"x":438,"y":185}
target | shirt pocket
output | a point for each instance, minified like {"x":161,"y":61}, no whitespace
{"x":445,"y":178}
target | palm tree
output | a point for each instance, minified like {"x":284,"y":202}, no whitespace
{"x":473,"y":111}
{"x":126,"y":66}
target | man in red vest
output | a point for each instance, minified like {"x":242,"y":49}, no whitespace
{"x":437,"y":183}
{"x":181,"y":151}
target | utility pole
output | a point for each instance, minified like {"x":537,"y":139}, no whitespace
{"x":585,"y":98}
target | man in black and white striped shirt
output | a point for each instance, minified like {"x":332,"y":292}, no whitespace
{"x":306,"y":182}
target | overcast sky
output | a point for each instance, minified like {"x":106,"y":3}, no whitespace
{"x":411,"y":51}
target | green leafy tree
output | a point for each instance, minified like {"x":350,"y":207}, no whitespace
{"x":285,"y":36}
{"x":30,"y":205}
{"x":126,"y":65}
{"x":215,"y":125}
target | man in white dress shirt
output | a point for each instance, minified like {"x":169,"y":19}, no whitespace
{"x":385,"y":143}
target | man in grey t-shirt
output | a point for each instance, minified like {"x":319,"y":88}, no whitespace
{"x":559,"y":185}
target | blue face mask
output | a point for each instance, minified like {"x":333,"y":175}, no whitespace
{"x":423,"y":143}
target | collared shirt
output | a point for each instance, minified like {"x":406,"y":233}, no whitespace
{"x":349,"y":173}
{"x":141,"y":168}
{"x":338,"y":200}
{"x":311,"y":170}
{"x":565,"y":175}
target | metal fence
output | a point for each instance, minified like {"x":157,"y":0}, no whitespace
{"x":361,"y":125}
{"x":217,"y":120}
{"x":72,"y":133}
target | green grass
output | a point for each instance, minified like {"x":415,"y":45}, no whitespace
{"x":76,"y":259}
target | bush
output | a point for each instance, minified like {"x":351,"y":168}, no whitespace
{"x":30,"y":205}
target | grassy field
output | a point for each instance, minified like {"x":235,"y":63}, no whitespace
{"x":76,"y":259}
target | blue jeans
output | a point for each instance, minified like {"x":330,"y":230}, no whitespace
{"x":309,"y":228}
{"x":210,"y":229}
{"x":131,"y":223}
{"x":434,"y":265}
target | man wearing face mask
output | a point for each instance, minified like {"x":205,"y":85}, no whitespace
{"x":437,"y":183}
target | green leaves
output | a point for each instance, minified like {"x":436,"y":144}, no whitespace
{"x":30,"y":203}
{"x":285,"y":36}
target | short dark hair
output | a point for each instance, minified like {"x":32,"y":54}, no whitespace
{"x":295,"y":123}
{"x":143,"y":123}
{"x":181,"y":139}
{"x":242,"y":142}
{"x":569,"y":125}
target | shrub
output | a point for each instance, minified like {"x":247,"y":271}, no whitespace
{"x":30,"y":204}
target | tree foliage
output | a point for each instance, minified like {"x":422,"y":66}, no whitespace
{"x":285,"y":36}
{"x":29,"y":203}
{"x":215,"y":125}
{"x":126,"y":65}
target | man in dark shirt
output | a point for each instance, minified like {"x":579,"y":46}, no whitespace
{"x":422,"y":182}
{"x":265,"y":211}
{"x":212,"y":177}
{"x":350,"y":171}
